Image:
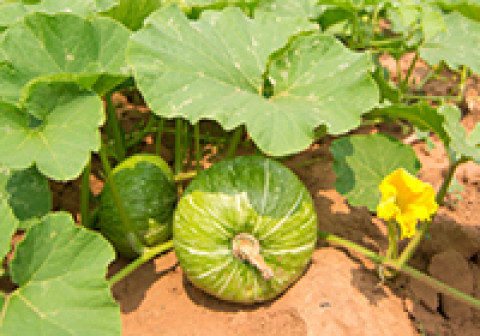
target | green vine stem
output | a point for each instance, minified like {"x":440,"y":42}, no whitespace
{"x":237,"y":136}
{"x":148,"y":254}
{"x":85,"y":195}
{"x":178,"y":145}
{"x":463,"y":83}
{"x":158,"y":140}
{"x":185,"y":176}
{"x":115,"y":128}
{"x":438,"y":285}
{"x":412,"y":245}
{"x":142,"y":134}
{"x":432,"y":73}
{"x":392,"y":251}
{"x":409,"y":72}
{"x":198,"y":154}
{"x":116,"y":198}
{"x":432,"y":98}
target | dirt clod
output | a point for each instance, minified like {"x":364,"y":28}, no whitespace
{"x":452,"y":268}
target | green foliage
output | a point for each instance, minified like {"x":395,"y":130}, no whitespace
{"x":422,"y":115}
{"x":26,"y":193}
{"x":132,"y":12}
{"x":468,"y":8}
{"x":362,"y":161}
{"x":175,"y":60}
{"x":8,"y":225}
{"x":410,"y":15}
{"x":56,"y":128}
{"x":459,"y":145}
{"x":62,"y":46}
{"x":60,"y":270}
{"x":294,"y":8}
{"x":454,"y":46}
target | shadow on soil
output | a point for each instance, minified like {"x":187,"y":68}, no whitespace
{"x":132,"y":287}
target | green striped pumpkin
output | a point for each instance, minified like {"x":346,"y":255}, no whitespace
{"x":234,"y":208}
{"x":148,"y":194}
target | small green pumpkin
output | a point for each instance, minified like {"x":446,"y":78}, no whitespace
{"x":148,"y":194}
{"x":245,"y":229}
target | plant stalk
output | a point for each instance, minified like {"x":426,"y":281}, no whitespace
{"x":142,"y":134}
{"x":158,"y":140}
{"x":440,"y":286}
{"x":146,"y":256}
{"x":409,"y":72}
{"x":237,"y":136}
{"x":178,"y":145}
{"x":115,"y":128}
{"x":432,"y":98}
{"x":198,"y":154}
{"x":184,"y":176}
{"x":392,"y":251}
{"x":85,"y":195}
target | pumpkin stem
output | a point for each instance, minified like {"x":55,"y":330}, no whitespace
{"x":246,"y":247}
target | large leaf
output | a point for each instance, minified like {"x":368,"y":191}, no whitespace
{"x":56,"y":129}
{"x":83,"y":8}
{"x":60,"y":269}
{"x":469,"y":8}
{"x":406,"y":15}
{"x":295,"y":8}
{"x":455,"y":46}
{"x":46,"y":45}
{"x":362,"y":161}
{"x":26,"y":193}
{"x":13,"y":10}
{"x":422,"y":115}
{"x":213,"y":69}
{"x":10,"y":12}
{"x":8,"y":225}
{"x":132,"y":12}
{"x":460,"y":144}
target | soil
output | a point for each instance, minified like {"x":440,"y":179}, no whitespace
{"x":340,"y":292}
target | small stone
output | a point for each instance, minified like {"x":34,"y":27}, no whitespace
{"x":451,"y":268}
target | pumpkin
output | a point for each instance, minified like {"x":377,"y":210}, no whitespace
{"x":148,"y":195}
{"x":245,"y":229}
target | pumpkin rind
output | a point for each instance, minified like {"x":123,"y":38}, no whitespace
{"x":145,"y":185}
{"x":251,"y":195}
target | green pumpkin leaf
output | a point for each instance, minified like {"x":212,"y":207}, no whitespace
{"x":361,"y":162}
{"x":460,"y":144}
{"x":84,"y":8}
{"x":89,"y":51}
{"x":14,"y":10}
{"x":132,"y":12}
{"x":217,"y":4}
{"x":60,"y":270}
{"x":59,"y":133}
{"x":8,"y":225}
{"x":454,"y":46}
{"x":422,"y":115}
{"x":214,"y":69}
{"x":10,"y":12}
{"x":27,"y":194}
{"x":293,"y":8}
{"x":469,"y":8}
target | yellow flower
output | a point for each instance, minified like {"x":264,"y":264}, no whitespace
{"x":407,"y":200}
